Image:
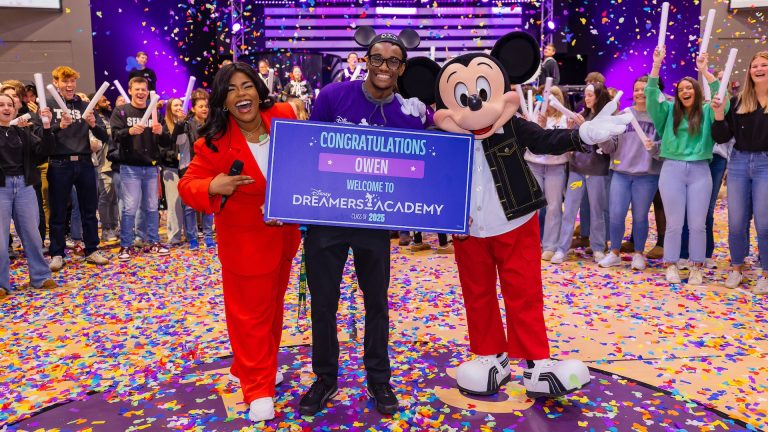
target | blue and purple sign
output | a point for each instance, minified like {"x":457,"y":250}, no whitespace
{"x":360,"y":176}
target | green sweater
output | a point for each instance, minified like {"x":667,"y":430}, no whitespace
{"x":681,"y":146}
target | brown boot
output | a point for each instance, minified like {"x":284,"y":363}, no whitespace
{"x":627,"y":247}
{"x":656,"y":253}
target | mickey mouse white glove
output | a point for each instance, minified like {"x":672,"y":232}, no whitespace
{"x":604,"y":125}
{"x":413,"y":107}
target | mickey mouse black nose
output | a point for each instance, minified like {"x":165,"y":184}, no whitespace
{"x":474,"y":103}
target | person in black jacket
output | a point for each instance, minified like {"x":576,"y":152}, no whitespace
{"x":143,"y":71}
{"x":139,"y":149}
{"x":747,"y":123}
{"x":182,"y":151}
{"x":20,"y":152}
{"x":70,"y":165}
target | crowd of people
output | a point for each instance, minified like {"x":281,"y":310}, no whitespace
{"x":71,"y":178}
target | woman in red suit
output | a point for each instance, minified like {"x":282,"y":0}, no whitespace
{"x":255,"y":255}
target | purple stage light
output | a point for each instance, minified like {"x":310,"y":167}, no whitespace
{"x":551,"y":25}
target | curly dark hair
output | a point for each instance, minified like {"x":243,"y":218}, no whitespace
{"x":218,"y":118}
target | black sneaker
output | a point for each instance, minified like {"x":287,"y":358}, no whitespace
{"x":316,"y":397}
{"x":386,"y":401}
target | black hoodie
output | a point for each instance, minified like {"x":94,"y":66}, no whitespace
{"x":135,"y":150}
{"x":34,"y":150}
{"x":74,"y":140}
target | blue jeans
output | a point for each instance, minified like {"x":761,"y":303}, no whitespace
{"x":682,"y":184}
{"x":717,"y":169}
{"x":62,"y":175}
{"x":138,"y":188}
{"x":639,"y":191}
{"x":190,"y":223}
{"x":551,"y":178}
{"x":597,"y":189}
{"x":75,"y":221}
{"x":747,"y":183}
{"x":19,"y":202}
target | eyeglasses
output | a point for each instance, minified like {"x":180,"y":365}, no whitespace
{"x":377,"y":60}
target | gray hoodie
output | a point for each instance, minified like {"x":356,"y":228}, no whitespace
{"x":628,"y":154}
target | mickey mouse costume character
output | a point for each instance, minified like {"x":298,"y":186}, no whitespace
{"x":473,"y":95}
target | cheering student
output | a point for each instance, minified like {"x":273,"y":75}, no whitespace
{"x":138,"y":149}
{"x":255,"y":255}
{"x":143,"y":71}
{"x":20,"y":152}
{"x":551,"y":172}
{"x":635,"y":180}
{"x":174,"y":118}
{"x":354,"y":70}
{"x":70,"y":165}
{"x":686,"y":147}
{"x":747,"y":121}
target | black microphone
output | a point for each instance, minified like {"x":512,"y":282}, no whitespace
{"x":234,"y":170}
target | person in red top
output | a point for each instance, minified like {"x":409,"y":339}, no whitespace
{"x":255,"y":255}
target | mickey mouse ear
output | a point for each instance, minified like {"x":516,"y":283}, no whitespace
{"x":419,"y":79}
{"x":410,"y":38}
{"x":364,"y":35}
{"x":518,"y":52}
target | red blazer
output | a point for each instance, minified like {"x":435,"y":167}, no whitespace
{"x":247,"y":245}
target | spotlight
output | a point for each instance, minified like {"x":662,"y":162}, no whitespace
{"x":551,"y":25}
{"x":236,"y":27}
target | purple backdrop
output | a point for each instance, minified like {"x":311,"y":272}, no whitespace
{"x":619,"y":38}
{"x":179,"y":38}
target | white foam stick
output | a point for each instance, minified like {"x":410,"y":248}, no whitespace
{"x":547,"y":90}
{"x":92,"y":104}
{"x":122,"y":91}
{"x":150,"y":107}
{"x":536,"y":111}
{"x":727,"y":73}
{"x":188,"y":94}
{"x":636,"y":126}
{"x":618,"y":96}
{"x":530,"y":105}
{"x":558,"y":106}
{"x":16,"y":121}
{"x":663,"y":24}
{"x":57,"y":97}
{"x":41,"y":102}
{"x":153,"y":94}
{"x":705,"y":88}
{"x":707,"y":32}
{"x":432,"y":52}
{"x":523,"y":104}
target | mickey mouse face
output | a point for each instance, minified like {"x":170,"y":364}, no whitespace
{"x":472,"y":89}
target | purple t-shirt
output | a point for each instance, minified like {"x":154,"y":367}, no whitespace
{"x":345,"y":102}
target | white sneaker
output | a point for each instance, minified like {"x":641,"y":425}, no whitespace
{"x":762,"y":287}
{"x":696,"y":276}
{"x":484,"y":375}
{"x":262,"y":409}
{"x":683,"y":264}
{"x":547,"y":255}
{"x":673,"y":275}
{"x":552,"y":378}
{"x":710,"y":263}
{"x":733,"y":280}
{"x":609,"y":260}
{"x":599,"y":256}
{"x":638,"y":262}
{"x":278,"y":378}
{"x":557,"y":258}
{"x":56,"y":263}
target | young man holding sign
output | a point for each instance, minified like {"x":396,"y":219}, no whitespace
{"x":370,"y":102}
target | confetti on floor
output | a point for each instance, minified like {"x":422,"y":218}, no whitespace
{"x":144,"y":346}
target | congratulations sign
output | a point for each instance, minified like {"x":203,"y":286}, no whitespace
{"x":360,"y":176}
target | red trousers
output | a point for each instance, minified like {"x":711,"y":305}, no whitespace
{"x":516,"y":256}
{"x":254,"y":311}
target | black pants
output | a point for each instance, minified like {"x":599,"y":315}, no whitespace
{"x":62,"y":175}
{"x":326,"y":251}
